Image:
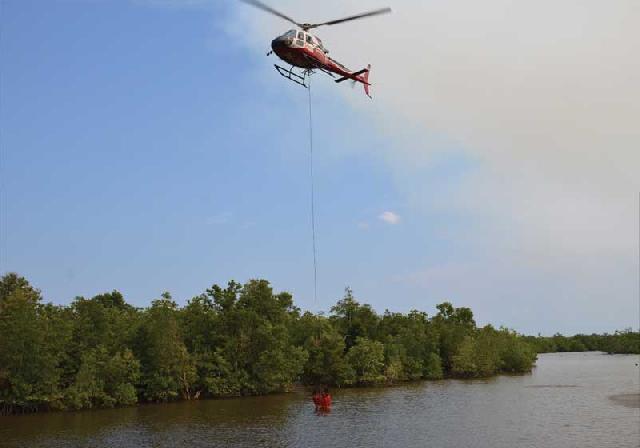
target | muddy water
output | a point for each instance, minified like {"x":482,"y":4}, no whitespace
{"x":570,"y":400}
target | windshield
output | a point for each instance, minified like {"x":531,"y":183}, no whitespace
{"x":320,"y":46}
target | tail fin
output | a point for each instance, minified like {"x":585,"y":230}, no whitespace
{"x":361,"y":76}
{"x":365,"y":78}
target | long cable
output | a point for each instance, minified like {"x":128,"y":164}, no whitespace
{"x":313,"y":211}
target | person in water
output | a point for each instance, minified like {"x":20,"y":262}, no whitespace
{"x":317,"y":398}
{"x":326,"y":400}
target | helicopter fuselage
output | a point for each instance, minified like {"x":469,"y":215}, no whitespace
{"x":304,"y":50}
{"x":300,"y":49}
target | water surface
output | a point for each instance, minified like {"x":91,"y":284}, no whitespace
{"x":570,"y":400}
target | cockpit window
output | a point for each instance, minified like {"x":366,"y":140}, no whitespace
{"x":300,"y":35}
{"x":309,"y":39}
{"x":290,"y":33}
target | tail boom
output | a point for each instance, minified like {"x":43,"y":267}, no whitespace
{"x":361,"y":76}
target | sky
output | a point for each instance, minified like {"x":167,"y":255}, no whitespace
{"x":149,"y":146}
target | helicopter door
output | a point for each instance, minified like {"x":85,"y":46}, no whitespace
{"x":300,"y":39}
{"x":310,"y":45}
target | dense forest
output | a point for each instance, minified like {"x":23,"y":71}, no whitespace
{"x":626,"y":341}
{"x":231,"y":341}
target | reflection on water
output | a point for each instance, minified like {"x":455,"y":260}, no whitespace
{"x":570,"y":400}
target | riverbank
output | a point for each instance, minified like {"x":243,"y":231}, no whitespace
{"x":500,"y":412}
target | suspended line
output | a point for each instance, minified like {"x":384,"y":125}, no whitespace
{"x":313,"y":211}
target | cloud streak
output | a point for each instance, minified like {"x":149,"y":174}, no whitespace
{"x":389,"y":217}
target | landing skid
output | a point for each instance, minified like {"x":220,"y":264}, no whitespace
{"x":291,"y":75}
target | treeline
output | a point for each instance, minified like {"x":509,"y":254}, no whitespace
{"x":626,"y":341}
{"x":232,"y":341}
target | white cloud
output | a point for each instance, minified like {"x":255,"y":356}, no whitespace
{"x":389,"y":217}
{"x":542,"y":95}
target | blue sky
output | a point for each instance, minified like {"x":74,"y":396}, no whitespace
{"x":148,"y":147}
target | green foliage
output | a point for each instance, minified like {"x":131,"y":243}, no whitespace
{"x":516,"y":354}
{"x":32,"y":337}
{"x":412,"y":340}
{"x":215,"y":376}
{"x":12,"y":284}
{"x":626,"y":341}
{"x":488,"y":351}
{"x":463,"y":363}
{"x":255,"y":339}
{"x":366,"y":358}
{"x":433,"y":367}
{"x":453,"y":325}
{"x":168,"y":369}
{"x":239,"y":340}
{"x":104,"y":321}
{"x":104,"y":380}
{"x":354,"y":320}
{"x":325,"y":347}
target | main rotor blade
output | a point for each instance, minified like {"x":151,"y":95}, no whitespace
{"x":269,"y":9}
{"x":376,"y":12}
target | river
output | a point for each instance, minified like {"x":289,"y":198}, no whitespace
{"x":570,"y":400}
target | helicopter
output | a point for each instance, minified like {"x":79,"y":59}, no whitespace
{"x":301,"y":49}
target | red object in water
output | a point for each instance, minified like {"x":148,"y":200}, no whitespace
{"x":326,"y":401}
{"x":317,"y":399}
